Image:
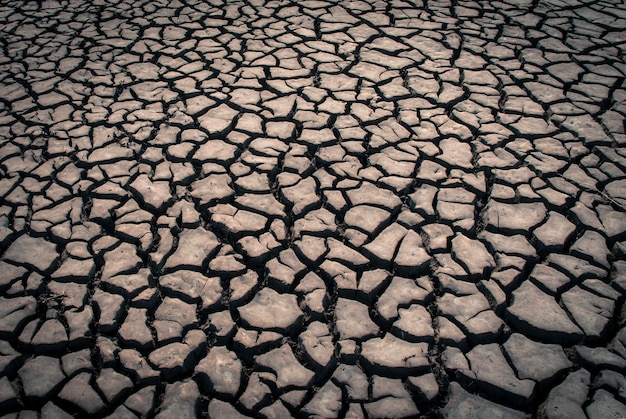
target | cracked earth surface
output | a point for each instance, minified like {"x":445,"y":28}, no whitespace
{"x":312,"y":209}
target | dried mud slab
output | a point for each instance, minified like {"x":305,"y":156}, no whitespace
{"x":312,"y":209}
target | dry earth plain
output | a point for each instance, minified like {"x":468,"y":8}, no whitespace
{"x":354,"y":209}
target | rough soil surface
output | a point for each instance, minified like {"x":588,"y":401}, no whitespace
{"x":312,"y":208}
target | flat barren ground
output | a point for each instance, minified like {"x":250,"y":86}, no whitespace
{"x":357,"y":209}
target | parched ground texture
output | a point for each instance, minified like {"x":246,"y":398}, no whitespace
{"x":312,"y":209}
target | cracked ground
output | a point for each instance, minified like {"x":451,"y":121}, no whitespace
{"x":312,"y":209}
